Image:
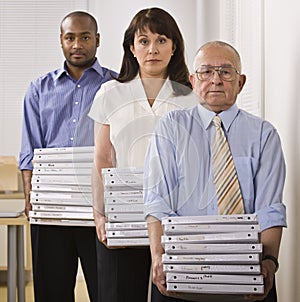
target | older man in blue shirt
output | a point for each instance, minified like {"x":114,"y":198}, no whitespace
{"x":178,"y":166}
{"x":55,"y":115}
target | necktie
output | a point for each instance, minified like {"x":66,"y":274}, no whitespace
{"x":230,"y":200}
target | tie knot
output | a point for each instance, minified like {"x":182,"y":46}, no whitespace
{"x":217,"y":121}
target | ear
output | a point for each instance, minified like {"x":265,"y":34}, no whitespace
{"x":60,"y":40}
{"x":132,"y":50}
{"x":174,"y":48}
{"x":192,"y":80}
{"x":242,"y":81}
{"x":98,"y":39}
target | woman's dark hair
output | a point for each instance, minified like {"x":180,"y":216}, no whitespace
{"x":161,"y":22}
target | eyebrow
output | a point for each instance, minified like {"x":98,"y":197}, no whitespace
{"x":222,"y":65}
{"x":81,"y":33}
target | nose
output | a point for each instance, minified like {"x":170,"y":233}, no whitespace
{"x":77,"y":43}
{"x":153,"y":49}
{"x":216,"y":78}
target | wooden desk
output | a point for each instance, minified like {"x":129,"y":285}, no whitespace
{"x":15,"y":255}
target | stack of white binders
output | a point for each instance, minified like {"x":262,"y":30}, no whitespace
{"x":124,"y":207}
{"x":213,"y":254}
{"x":61,"y":186}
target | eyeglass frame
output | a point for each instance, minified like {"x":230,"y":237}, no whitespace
{"x":217,"y":69}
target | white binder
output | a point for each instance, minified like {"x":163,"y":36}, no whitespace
{"x":124,"y":170}
{"x":213,"y":268}
{"x":124,"y":200}
{"x":214,"y":278}
{"x":237,"y":237}
{"x":181,"y":229}
{"x":84,"y":180}
{"x":212,"y":248}
{"x":127,"y":241}
{"x":123,"y":193}
{"x":215,"y":288}
{"x":61,"y":215}
{"x":62,"y":171}
{"x":64,"y":208}
{"x":123,"y":208}
{"x":211,"y":219}
{"x":62,"y":222}
{"x":62,"y":165}
{"x":125,"y":217}
{"x":127,"y":234}
{"x":212,"y":259}
{"x":62,"y":150}
{"x":61,"y":188}
{"x":115,"y":226}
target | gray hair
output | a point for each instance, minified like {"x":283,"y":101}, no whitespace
{"x":220,"y":44}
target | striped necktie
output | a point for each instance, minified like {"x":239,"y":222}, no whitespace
{"x":230,"y":200}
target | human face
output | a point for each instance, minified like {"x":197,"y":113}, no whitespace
{"x":216,"y":94}
{"x":153,"y":53}
{"x":79,"y":42}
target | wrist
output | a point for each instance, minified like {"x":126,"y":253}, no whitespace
{"x":273,"y":259}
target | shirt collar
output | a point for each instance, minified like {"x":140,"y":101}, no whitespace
{"x":227,"y":116}
{"x":63,"y":71}
{"x":139,"y":91}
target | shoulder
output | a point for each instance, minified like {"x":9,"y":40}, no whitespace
{"x":254,"y":121}
{"x":181,"y":116}
{"x":49,"y":76}
{"x":112,"y":86}
{"x":256,"y":127}
{"x":186,"y":101}
{"x":43,"y":82}
{"x":108,"y":73}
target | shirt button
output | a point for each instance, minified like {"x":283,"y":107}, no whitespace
{"x":76,"y":103}
{"x":74,"y":120}
{"x":71,"y":138}
{"x":78,"y":86}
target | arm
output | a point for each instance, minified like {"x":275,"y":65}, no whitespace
{"x":270,"y":239}
{"x":269,"y":206}
{"x":104,"y":158}
{"x":26,"y":177}
{"x":155,"y":232}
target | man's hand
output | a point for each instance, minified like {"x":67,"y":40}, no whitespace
{"x":159,"y":278}
{"x":268,"y":271}
{"x":26,"y":178}
{"x":100,"y":221}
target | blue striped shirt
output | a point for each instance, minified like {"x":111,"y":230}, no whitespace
{"x":55,"y":111}
{"x":178,"y":171}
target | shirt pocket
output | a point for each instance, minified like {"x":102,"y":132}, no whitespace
{"x":246,"y":168}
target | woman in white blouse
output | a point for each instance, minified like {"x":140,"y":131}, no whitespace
{"x":153,"y":80}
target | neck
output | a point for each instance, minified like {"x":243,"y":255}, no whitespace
{"x":76,"y":72}
{"x":152,"y":87}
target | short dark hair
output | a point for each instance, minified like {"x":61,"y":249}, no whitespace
{"x":161,"y":22}
{"x":80,"y":14}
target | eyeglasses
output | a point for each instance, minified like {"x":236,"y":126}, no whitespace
{"x":226,"y":73}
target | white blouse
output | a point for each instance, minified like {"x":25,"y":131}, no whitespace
{"x":125,"y":107}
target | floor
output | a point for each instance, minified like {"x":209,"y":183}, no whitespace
{"x":80,"y":292}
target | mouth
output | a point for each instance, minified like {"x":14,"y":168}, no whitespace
{"x":77,"y":55}
{"x":152,"y":60}
{"x":216,"y":91}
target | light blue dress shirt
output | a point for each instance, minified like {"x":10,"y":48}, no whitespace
{"x":178,"y":171}
{"x":55,"y":111}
